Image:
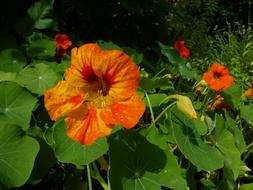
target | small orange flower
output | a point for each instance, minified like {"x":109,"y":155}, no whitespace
{"x":218,"y":77}
{"x":249,"y":92}
{"x":99,"y":91}
{"x":217,"y":104}
{"x":183,"y":51}
{"x":62,"y":43}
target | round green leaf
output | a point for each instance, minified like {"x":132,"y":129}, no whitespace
{"x":246,"y":186}
{"x":16,"y":104}
{"x":192,"y":146}
{"x":41,"y":49}
{"x":137,"y":164}
{"x":69,"y":151}
{"x":246,"y":113}
{"x":12,"y":60}
{"x":37,"y":78}
{"x":7,"y":76}
{"x":17,"y":155}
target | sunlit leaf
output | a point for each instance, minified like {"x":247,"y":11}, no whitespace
{"x":69,"y":151}
{"x":37,"y":78}
{"x":192,"y":146}
{"x":247,"y":113}
{"x":155,"y":99}
{"x":7,"y":76}
{"x":41,"y":49}
{"x":17,"y":155}
{"x":16,"y":104}
{"x":246,"y":186}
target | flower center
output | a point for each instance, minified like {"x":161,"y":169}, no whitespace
{"x":98,"y":94}
{"x":103,"y":86}
{"x":217,"y":75}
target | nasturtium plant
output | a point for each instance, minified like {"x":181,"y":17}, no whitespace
{"x":127,"y":95}
{"x":17,"y":154}
{"x":41,"y":14}
{"x":37,"y":78}
{"x":12,"y":60}
{"x":16,"y":104}
{"x":188,"y":139}
{"x":41,"y":49}
{"x":69,"y":151}
{"x":138,"y":164}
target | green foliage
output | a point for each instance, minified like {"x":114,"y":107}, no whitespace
{"x":41,"y":49}
{"x":12,"y":60}
{"x":204,"y":157}
{"x":166,"y":149}
{"x":246,"y":113}
{"x":130,"y":168}
{"x":40,"y":13}
{"x":17,"y":155}
{"x":16,"y":105}
{"x":37,"y":78}
{"x":69,"y":151}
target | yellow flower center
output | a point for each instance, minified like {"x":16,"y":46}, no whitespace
{"x":98,"y":94}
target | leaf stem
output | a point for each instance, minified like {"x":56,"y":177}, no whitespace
{"x":163,"y":112}
{"x":150,"y":108}
{"x":89,"y":177}
{"x":96,"y":175}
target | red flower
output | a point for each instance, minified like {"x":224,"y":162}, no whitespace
{"x":183,"y":51}
{"x":218,"y":77}
{"x":62,"y":43}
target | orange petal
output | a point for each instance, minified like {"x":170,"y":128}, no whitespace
{"x":87,"y":127}
{"x":121,"y":73}
{"x":89,"y":62}
{"x":62,"y":99}
{"x":126,"y":113}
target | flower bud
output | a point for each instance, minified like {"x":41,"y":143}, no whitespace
{"x":184,"y":104}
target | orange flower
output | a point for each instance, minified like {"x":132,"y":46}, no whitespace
{"x":98,"y":92}
{"x":249,"y":92}
{"x":179,"y":46}
{"x":218,"y":77}
{"x":217,"y":104}
{"x":62,"y":43}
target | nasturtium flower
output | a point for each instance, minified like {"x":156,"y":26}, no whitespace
{"x":99,"y":91}
{"x":62,"y":43}
{"x":183,"y":51}
{"x":218,"y":103}
{"x":218,"y":77}
{"x":249,"y":92}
